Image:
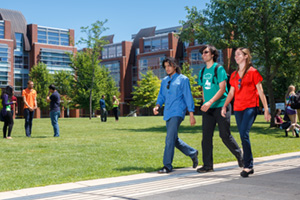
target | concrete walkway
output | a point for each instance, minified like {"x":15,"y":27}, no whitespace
{"x":180,"y":182}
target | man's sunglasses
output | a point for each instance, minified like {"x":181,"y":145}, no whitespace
{"x":168,"y":86}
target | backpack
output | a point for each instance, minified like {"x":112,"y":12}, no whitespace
{"x":295,"y":101}
{"x":216,"y":75}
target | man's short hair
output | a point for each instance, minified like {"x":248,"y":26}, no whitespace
{"x":52,"y":87}
{"x":29,"y":81}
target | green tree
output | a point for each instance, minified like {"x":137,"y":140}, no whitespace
{"x":269,"y":28}
{"x":145,"y":94}
{"x":94,"y":43}
{"x":41,"y":78}
{"x":81,"y":83}
{"x":195,"y":88}
{"x":63,"y":82}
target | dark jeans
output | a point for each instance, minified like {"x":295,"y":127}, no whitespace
{"x":172,"y":141}
{"x":244,"y":120}
{"x":54,"y":115}
{"x":28,"y":121}
{"x":8,"y":122}
{"x":103,"y":114}
{"x":116,"y":112}
{"x":209,"y":120}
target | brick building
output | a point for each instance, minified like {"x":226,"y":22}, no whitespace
{"x":148,"y":49}
{"x":22,"y":46}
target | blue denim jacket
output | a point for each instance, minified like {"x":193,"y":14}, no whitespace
{"x":178,"y":98}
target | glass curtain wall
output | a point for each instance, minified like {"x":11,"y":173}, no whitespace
{"x":1,"y":29}
{"x":154,"y":64}
{"x":53,"y":36}
{"x":4,"y":65}
{"x":56,"y":60}
{"x":21,"y":64}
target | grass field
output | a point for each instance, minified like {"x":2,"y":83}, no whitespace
{"x":89,"y":149}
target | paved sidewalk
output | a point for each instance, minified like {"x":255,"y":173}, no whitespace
{"x":162,"y":186}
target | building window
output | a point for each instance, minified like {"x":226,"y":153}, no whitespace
{"x":4,"y":65}
{"x":21,"y":64}
{"x":154,"y":64}
{"x":147,"y":45}
{"x":114,"y":69}
{"x":112,"y":51}
{"x":156,"y":44}
{"x":196,"y":61}
{"x":56,"y":60}
{"x":1,"y":29}
{"x":105,"y":53}
{"x":119,"y":50}
{"x":53,"y":36}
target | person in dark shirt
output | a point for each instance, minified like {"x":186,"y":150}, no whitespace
{"x":6,"y":111}
{"x":54,"y":100}
{"x":103,"y":109}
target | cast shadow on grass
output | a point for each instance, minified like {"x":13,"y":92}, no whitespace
{"x":163,"y":129}
{"x":134,"y":168}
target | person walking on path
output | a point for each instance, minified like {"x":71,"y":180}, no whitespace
{"x":175,"y":93}
{"x":246,"y":88}
{"x":54,"y":100}
{"x":103,"y":109}
{"x":30,"y":104}
{"x":116,"y":107}
{"x":6,"y":111}
{"x":213,"y":79}
{"x":292,"y":113}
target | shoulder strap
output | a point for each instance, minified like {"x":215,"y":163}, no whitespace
{"x":216,"y":73}
{"x":202,"y":72}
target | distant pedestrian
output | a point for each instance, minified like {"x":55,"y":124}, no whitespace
{"x":213,"y":79}
{"x":6,"y":111}
{"x":14,"y":107}
{"x":292,"y":113}
{"x":116,"y":108}
{"x":103,"y":109}
{"x":54,"y":100}
{"x":175,"y":94}
{"x":30,"y":104}
{"x":246,"y":88}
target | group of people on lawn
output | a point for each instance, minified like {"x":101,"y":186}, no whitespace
{"x":9,"y":108}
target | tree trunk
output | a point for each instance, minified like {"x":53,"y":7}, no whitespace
{"x":92,"y":85}
{"x":271,"y":101}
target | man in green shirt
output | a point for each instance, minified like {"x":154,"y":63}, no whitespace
{"x":213,"y":82}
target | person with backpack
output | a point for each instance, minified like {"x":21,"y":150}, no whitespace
{"x":295,"y":103}
{"x":213,"y":79}
{"x":290,"y":111}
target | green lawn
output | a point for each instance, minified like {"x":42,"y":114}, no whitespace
{"x":91,"y":149}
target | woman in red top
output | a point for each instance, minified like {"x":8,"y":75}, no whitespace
{"x":246,"y":88}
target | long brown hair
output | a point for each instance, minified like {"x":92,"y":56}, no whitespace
{"x":248,"y":61}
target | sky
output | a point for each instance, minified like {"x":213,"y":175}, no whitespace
{"x":125,"y":17}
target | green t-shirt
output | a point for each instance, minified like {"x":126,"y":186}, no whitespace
{"x":210,"y":88}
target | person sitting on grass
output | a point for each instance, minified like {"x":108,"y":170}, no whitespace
{"x":286,"y":125}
